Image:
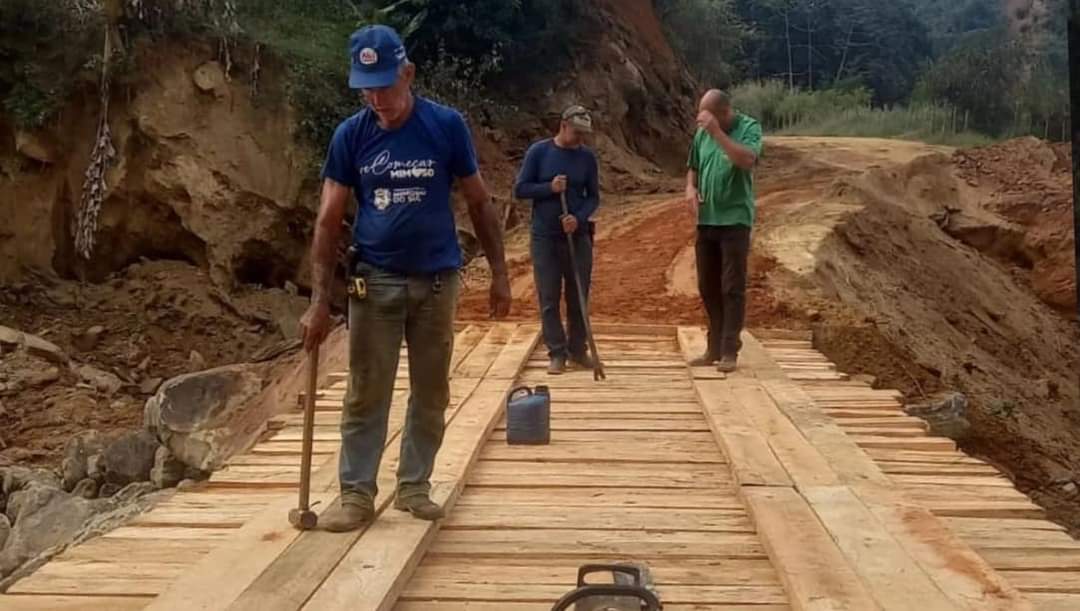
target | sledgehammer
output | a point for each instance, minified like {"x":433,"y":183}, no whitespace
{"x":302,"y":517}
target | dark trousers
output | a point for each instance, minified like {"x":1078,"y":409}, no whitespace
{"x":551,"y":272}
{"x":722,"y":254}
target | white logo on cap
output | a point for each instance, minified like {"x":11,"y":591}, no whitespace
{"x":369,"y":57}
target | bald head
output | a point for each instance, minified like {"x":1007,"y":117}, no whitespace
{"x":715,"y":101}
{"x":718,"y":103}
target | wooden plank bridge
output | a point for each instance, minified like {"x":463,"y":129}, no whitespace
{"x":782,"y":486}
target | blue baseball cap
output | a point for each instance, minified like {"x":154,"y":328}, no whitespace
{"x":376,"y":53}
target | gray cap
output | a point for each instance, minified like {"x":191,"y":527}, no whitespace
{"x":578,"y":118}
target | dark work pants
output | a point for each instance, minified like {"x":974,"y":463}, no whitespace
{"x":551,"y":273}
{"x":722,"y":254}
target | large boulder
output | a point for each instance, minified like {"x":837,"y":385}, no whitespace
{"x":130,"y":458}
{"x":5,"y":530}
{"x":200,"y":417}
{"x":77,"y":455}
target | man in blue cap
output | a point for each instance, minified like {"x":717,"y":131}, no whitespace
{"x":400,"y":157}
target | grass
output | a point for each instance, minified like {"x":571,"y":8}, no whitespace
{"x":849,"y":113}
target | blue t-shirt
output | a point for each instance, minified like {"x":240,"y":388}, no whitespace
{"x":543,"y":162}
{"x":402,"y":180}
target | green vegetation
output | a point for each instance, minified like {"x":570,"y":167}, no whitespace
{"x":840,"y":112}
{"x":928,"y":69}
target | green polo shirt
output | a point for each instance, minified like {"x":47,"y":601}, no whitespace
{"x":727,"y":191}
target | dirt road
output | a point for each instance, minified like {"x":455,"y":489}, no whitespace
{"x":932,"y":270}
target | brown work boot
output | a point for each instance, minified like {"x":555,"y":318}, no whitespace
{"x":583,"y":360}
{"x":351,"y":513}
{"x":557,"y":366}
{"x":705,"y":360}
{"x":420,"y":505}
{"x":728,"y":364}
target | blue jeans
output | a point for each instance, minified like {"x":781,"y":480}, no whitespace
{"x":421,"y":311}
{"x":551,"y":271}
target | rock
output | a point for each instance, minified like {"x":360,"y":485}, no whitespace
{"x":103,"y":381}
{"x":33,"y":344}
{"x":95,"y":467}
{"x":87,"y":489}
{"x":35,"y":145}
{"x":867,"y":379}
{"x":946,"y":413}
{"x":187,"y":484}
{"x":17,"y":478}
{"x":77,"y":453}
{"x":88,"y":340}
{"x":52,"y":524}
{"x":209,"y":77}
{"x":30,"y":499}
{"x":150,"y":386}
{"x":168,"y":469}
{"x":1047,"y":389}
{"x":133,"y":491}
{"x":196,"y":360}
{"x":107,"y":490}
{"x":5,"y":530}
{"x":144,"y":364}
{"x":130,"y":458}
{"x":43,"y":378}
{"x":200,"y":416}
{"x":1070,"y":489}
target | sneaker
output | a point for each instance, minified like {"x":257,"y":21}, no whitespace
{"x":348,"y":515}
{"x":420,"y":505}
{"x":583,"y":360}
{"x":727,"y":364}
{"x":705,"y":360}
{"x":557,"y":366}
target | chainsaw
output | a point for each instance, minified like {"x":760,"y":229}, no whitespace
{"x":632,"y":590}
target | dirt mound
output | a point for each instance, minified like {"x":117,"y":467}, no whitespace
{"x":1027,"y":183}
{"x":151,"y":323}
{"x":951,"y":298}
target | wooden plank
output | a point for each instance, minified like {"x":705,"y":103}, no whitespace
{"x":73,"y":603}
{"x":961,"y":573}
{"x":924,"y":444}
{"x":1045,"y":581}
{"x":84,"y":578}
{"x":655,"y":425}
{"x":812,"y":569}
{"x":477,"y":363}
{"x":562,"y":571}
{"x":528,"y":498}
{"x":569,"y":543}
{"x":803,"y":463}
{"x":667,"y":452}
{"x":633,"y":438}
{"x":222,"y":576}
{"x":603,"y":518}
{"x":293,"y":577}
{"x":1045,"y":601}
{"x":502,"y":605}
{"x":1032,"y":559}
{"x":895,"y":580}
{"x":464,"y":593}
{"x":752,"y":461}
{"x":373,"y":573}
{"x":600,"y":475}
{"x":628,"y":407}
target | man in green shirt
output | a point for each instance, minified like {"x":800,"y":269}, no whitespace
{"x":720,"y":193}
